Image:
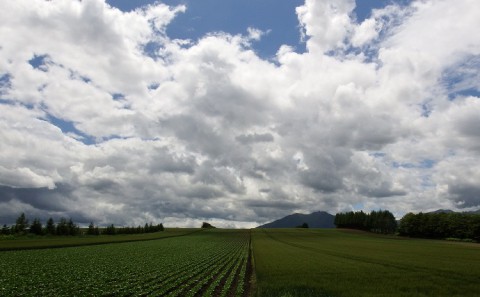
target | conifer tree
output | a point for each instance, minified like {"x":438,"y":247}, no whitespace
{"x":21,"y":224}
{"x":72,"y":228}
{"x":36,"y":227}
{"x":50,"y":227}
{"x":62,"y":227}
{"x":91,"y":229}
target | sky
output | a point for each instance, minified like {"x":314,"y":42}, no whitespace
{"x":237,"y":112}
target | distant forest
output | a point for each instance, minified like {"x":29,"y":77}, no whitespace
{"x":67,"y":227}
{"x":381,"y":221}
{"x":462,"y":226}
{"x":441,"y":225}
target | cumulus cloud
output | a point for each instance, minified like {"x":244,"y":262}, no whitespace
{"x":105,"y":118}
{"x":326,"y":24}
{"x":365,"y":32}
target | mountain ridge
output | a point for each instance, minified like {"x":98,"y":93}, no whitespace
{"x":318,"y":219}
{"x":452,"y":211}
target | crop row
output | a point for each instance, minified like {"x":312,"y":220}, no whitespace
{"x":213,"y":282}
{"x":208,"y":263}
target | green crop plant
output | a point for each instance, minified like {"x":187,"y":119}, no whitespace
{"x":167,"y":266}
{"x":323,"y":262}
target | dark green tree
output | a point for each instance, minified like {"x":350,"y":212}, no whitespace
{"x":5,"y":230}
{"x":21,"y":224}
{"x":91,"y":229}
{"x":73,"y":229}
{"x":407,"y":224}
{"x":62,"y":227}
{"x":207,"y":225}
{"x":36,"y":227}
{"x":386,"y":222}
{"x":50,"y":227}
{"x":441,"y":225}
{"x":381,"y":221}
{"x":160,"y":227}
{"x":110,"y":230}
{"x":304,"y":225}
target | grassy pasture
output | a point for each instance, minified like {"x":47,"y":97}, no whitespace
{"x":324,"y":262}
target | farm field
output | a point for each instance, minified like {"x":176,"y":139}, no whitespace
{"x":329,"y":262}
{"x":215,"y":262}
{"x":204,"y":263}
{"x":39,"y":242}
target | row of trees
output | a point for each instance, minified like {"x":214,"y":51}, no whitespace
{"x":22,"y":226}
{"x":112,"y":230}
{"x":381,"y":221}
{"x":68,"y":227}
{"x":441,"y":225}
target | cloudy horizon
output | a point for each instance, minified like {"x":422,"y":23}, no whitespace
{"x":113,"y":115}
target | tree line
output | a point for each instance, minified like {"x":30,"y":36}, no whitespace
{"x":441,"y":225}
{"x":68,"y":227}
{"x":22,"y":226}
{"x":112,"y":230}
{"x":381,"y":221}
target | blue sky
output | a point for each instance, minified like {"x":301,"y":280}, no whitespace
{"x":234,"y":17}
{"x":126,"y":116}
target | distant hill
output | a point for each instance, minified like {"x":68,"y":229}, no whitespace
{"x":319,"y":219}
{"x":442,"y":211}
{"x":451,"y":211}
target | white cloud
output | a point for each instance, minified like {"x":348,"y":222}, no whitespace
{"x":326,"y":24}
{"x":365,"y":32}
{"x":443,"y":30}
{"x":255,"y":34}
{"x":210,"y":131}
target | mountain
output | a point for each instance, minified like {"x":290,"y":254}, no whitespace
{"x":451,"y":211}
{"x":442,"y":211}
{"x":319,"y":219}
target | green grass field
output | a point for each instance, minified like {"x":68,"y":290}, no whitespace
{"x":287,"y":262}
{"x":326,"y":262}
